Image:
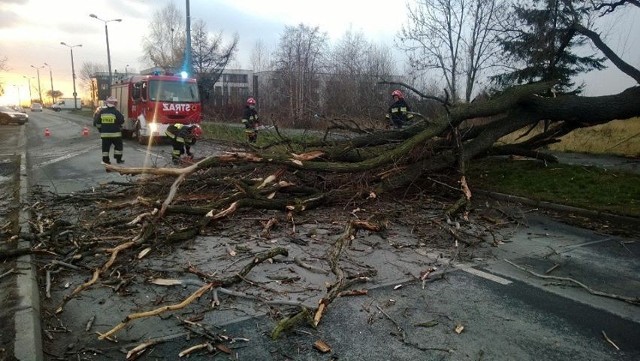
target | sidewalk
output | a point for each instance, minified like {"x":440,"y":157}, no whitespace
{"x":28,"y":344}
{"x":20,"y":289}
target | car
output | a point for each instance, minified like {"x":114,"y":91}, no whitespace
{"x":9,"y":116}
{"x":36,"y":107}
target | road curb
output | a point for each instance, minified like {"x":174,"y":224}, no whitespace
{"x":28,"y":342}
{"x":561,"y":207}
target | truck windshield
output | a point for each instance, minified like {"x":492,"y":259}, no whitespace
{"x":173,"y":91}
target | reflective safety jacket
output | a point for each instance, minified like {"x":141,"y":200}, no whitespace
{"x":399,"y":112}
{"x":109,"y":122}
{"x":181,"y":133}
{"x":250,"y":118}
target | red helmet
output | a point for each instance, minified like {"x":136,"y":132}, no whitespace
{"x":251,"y":101}
{"x":196,"y":131}
{"x":397,"y":93}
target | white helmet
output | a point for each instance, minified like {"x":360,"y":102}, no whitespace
{"x":111,"y":101}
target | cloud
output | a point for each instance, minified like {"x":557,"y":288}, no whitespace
{"x":9,"y":18}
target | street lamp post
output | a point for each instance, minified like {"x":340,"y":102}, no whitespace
{"x":19,"y":98}
{"x":37,"y":68}
{"x":126,"y":71}
{"x":29,"y":82}
{"x":73,"y":73}
{"x":106,"y":34}
{"x":53,"y":99}
{"x":188,"y":66}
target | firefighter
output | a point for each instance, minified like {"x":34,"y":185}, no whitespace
{"x":182,"y":138}
{"x":399,"y":112}
{"x":109,"y":122}
{"x":250,"y":120}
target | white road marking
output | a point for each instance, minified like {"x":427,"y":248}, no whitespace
{"x":66,"y":156}
{"x":146,"y":151}
{"x":485,"y":275}
{"x":574,"y":246}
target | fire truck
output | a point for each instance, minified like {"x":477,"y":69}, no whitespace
{"x":150,"y":103}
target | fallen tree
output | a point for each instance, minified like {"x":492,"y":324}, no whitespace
{"x":167,"y":206}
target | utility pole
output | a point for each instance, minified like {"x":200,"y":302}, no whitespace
{"x":73,"y":74}
{"x":187,"y":58}
{"x":53,"y":99}
{"x":106,"y":34}
{"x":29,"y":81}
{"x":37,"y":68}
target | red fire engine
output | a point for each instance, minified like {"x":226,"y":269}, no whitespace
{"x":150,"y":103}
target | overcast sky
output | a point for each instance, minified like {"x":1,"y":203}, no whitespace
{"x":31,"y":32}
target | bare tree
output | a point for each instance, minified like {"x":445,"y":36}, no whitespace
{"x":210,"y":56}
{"x":610,"y":6}
{"x":164,"y":45}
{"x":87,"y":73}
{"x":355,"y":68}
{"x":299,"y":59}
{"x":453,"y":37}
{"x":3,"y":67}
{"x":482,"y":45}
{"x":260,"y":59}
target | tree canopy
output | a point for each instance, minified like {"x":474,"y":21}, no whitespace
{"x":542,"y":43}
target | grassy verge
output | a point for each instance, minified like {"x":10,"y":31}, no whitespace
{"x":578,"y":186}
{"x":620,"y":137}
{"x":235,"y":133}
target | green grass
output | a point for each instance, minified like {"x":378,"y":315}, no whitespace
{"x":233,"y":133}
{"x":223,"y":132}
{"x":578,"y":186}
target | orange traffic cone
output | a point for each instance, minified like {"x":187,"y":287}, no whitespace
{"x":85,"y":131}
{"x":47,"y":132}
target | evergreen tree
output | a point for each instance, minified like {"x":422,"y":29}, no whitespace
{"x":541,"y":43}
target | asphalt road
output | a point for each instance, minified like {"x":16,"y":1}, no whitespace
{"x":67,"y":160}
{"x":487,"y":309}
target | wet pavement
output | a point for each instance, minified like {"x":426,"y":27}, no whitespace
{"x":609,"y":162}
{"x":484,"y":308}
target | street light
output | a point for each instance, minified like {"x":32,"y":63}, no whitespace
{"x":73,"y":73}
{"x":53,"y":100}
{"x":29,"y":81}
{"x":188,"y":66}
{"x":106,"y":34}
{"x":126,"y":71}
{"x":19,"y":99}
{"x":37,"y":68}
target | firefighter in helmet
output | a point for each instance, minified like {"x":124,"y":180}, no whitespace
{"x":250,"y":120}
{"x":182,"y":138}
{"x":109,"y":122}
{"x":399,"y":112}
